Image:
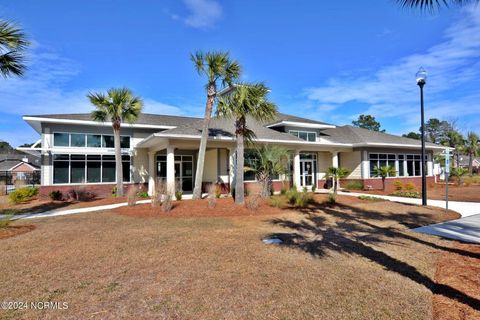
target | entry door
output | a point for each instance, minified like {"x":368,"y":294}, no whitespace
{"x":184,"y":174}
{"x":306,"y":173}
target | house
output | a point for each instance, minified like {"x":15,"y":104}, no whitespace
{"x":78,"y":151}
{"x":15,"y":167}
{"x":464,"y":162}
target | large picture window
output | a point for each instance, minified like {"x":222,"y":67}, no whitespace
{"x":79,"y":168}
{"x":407,"y":165}
{"x":381,"y":160}
{"x":81,"y":140}
{"x":304,"y":135}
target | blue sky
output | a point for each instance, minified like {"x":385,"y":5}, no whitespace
{"x":325,"y":60}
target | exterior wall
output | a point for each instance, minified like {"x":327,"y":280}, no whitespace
{"x":353,"y":162}
{"x":210,"y":169}
{"x":324,"y":161}
{"x":376,"y":183}
{"x":23,"y":168}
{"x":223,"y":164}
{"x":140,"y":166}
{"x":98,"y":190}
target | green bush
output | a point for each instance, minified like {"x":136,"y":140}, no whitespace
{"x":354,"y":185}
{"x":283,"y":191}
{"x":314,"y":187}
{"x":406,"y":194}
{"x":277,"y":202}
{"x":303,"y":200}
{"x":292,"y":195}
{"x":56,"y":195}
{"x":142,"y":194}
{"x":24,"y":194}
{"x":178,"y":195}
{"x":398,"y":185}
{"x":332,"y":198}
{"x":5,"y":221}
{"x":410,"y":186}
{"x":370,"y":198}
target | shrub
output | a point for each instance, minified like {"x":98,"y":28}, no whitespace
{"x":142,"y":194}
{"x":303,"y":200}
{"x":178,"y":195}
{"x":332,"y":198}
{"x":305,"y":189}
{"x":132,"y":196}
{"x":5,"y":221}
{"x":114,"y":191}
{"x":406,"y":194}
{"x":278,"y":202}
{"x":56,"y":195}
{"x":354,"y":185}
{"x":314,"y":187}
{"x":398,"y":185}
{"x":167,"y":204}
{"x":370,"y":198}
{"x":410,"y":186}
{"x":252,"y":202}
{"x":283,"y":191}
{"x":218,"y":191}
{"x":292,"y":195}
{"x":80,"y":194}
{"x":22,"y":195}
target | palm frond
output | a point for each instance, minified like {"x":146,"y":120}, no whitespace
{"x":12,"y":37}
{"x":116,"y":105}
{"x":433,"y":5}
{"x":12,"y":63}
{"x":197,"y":59}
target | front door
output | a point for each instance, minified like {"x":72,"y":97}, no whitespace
{"x":306,"y":173}
{"x":184,"y":174}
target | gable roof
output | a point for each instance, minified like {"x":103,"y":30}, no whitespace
{"x":283,"y":119}
{"x":10,"y":164}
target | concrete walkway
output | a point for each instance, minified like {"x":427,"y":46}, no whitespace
{"x":465,"y":209}
{"x":464,"y":229}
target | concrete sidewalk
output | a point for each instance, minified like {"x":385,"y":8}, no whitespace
{"x":464,"y":229}
{"x":465,"y":209}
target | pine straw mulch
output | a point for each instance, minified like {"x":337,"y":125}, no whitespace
{"x":12,"y":231}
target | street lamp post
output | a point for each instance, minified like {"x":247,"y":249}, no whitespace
{"x":421,"y":77}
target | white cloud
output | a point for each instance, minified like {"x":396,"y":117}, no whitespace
{"x":152,"y":106}
{"x":391,"y":90}
{"x":202,"y":13}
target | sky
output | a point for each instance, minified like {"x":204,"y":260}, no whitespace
{"x":325,"y":60}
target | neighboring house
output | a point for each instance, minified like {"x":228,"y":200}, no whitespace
{"x":78,"y":151}
{"x":12,"y":168}
{"x":464,"y":162}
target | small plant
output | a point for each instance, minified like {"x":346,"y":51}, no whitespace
{"x":142,"y":194}
{"x":410,"y":187}
{"x":406,"y":194}
{"x":384,"y":172}
{"x":218,"y":191}
{"x":277,"y":202}
{"x":114,"y":192}
{"x":371,"y":198}
{"x":305,"y":189}
{"x":80,"y":194}
{"x":167,"y":203}
{"x":354,"y":185}
{"x":314,"y":187}
{"x":56,"y":195}
{"x":22,"y":195}
{"x":398,"y":185}
{"x":332,"y":198}
{"x":292,"y":195}
{"x":283,"y":191}
{"x":178,"y":195}
{"x":132,"y":196}
{"x":459,"y":173}
{"x":252,"y":202}
{"x":303,"y":200}
{"x":5,"y":221}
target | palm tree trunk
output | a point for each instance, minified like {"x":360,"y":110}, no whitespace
{"x":383,"y":183}
{"x":239,"y":187}
{"x":470,"y":164}
{"x":334,"y":184}
{"x":118,"y":162}
{"x":197,"y":191}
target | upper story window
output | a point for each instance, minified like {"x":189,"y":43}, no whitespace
{"x":304,"y":135}
{"x":81,"y":140}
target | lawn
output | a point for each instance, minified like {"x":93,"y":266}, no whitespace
{"x":353,"y":260}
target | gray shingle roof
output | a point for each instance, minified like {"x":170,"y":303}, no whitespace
{"x":354,"y":135}
{"x":6,"y":165}
{"x":288,"y":117}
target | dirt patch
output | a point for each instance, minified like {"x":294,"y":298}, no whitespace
{"x":12,"y":231}
{"x":225,"y":207}
{"x":459,"y":269}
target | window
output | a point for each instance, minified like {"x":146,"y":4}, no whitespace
{"x":304,"y":135}
{"x":61,"y":139}
{"x":381,"y":160}
{"x":401,"y":165}
{"x":81,"y":140}
{"x":414,"y":165}
{"x":79,"y":168}
{"x":250,"y":159}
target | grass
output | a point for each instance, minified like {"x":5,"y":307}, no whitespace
{"x":354,"y":260}
{"x":371,"y":198}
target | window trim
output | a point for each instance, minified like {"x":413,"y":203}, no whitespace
{"x":86,"y":140}
{"x":404,"y":174}
{"x":303,"y":131}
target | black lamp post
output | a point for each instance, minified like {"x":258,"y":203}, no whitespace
{"x":421,"y":80}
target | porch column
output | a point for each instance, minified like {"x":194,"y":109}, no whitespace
{"x":151,"y":173}
{"x":335,"y":159}
{"x":170,"y":169}
{"x":232,"y":167}
{"x":365,"y":165}
{"x":429,"y":165}
{"x":296,"y":169}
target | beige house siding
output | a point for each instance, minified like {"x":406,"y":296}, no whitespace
{"x":140,"y":166}
{"x":210,"y":169}
{"x":324,"y":161}
{"x":353,"y":162}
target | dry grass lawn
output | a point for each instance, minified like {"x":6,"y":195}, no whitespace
{"x":350,"y":261}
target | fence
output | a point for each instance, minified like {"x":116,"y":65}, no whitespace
{"x":9,"y":181}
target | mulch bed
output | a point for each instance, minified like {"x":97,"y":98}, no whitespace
{"x":461,"y":271}
{"x":225,"y":207}
{"x":12,"y":231}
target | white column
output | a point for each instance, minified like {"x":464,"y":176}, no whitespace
{"x":232,"y":160}
{"x":151,"y":173}
{"x":170,"y":169}
{"x":365,"y":165}
{"x":335,"y":159}
{"x":296,"y":169}
{"x":429,"y":165}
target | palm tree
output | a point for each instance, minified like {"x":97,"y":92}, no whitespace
{"x":384,"y":172}
{"x":432,"y":5}
{"x":13,"y":43}
{"x":459,"y":173}
{"x":245,"y":100}
{"x":271,"y":160}
{"x":218,"y":68}
{"x":336,"y":174}
{"x":455,"y":140}
{"x":472,"y":147}
{"x":117,"y":106}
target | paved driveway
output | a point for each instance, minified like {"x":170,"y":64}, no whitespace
{"x":464,"y":229}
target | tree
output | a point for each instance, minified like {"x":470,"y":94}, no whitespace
{"x":412,"y":135}
{"x":437,"y":131}
{"x":454,"y":139}
{"x":5,"y":147}
{"x":472,"y":147}
{"x":336,"y":174}
{"x":384,"y":172}
{"x":117,"y":106}
{"x":218,"y":68}
{"x":367,"y":122}
{"x":245,"y":100}
{"x":432,"y":5}
{"x":13,"y":43}
{"x":271,"y":160}
{"x":459,"y":173}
